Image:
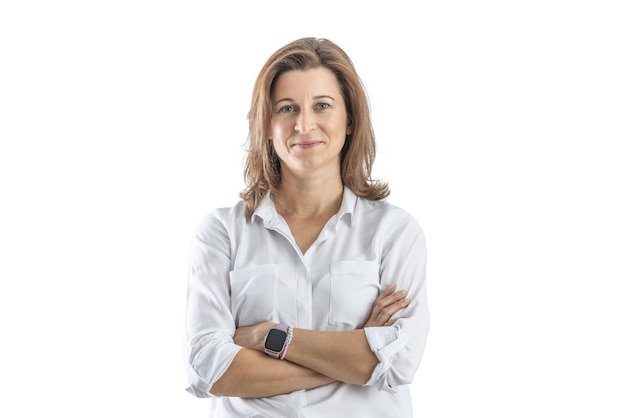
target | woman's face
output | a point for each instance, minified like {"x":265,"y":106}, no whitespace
{"x":309,"y":122}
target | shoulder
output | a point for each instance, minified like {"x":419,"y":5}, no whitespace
{"x":393,"y":229}
{"x":221,"y":219}
{"x":386,"y":215}
{"x":390,"y":225}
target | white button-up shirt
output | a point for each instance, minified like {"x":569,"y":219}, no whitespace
{"x":244,"y":271}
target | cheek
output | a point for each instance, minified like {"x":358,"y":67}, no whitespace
{"x":279,"y":130}
{"x":339,"y":128}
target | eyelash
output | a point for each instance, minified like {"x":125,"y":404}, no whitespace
{"x":284,"y":109}
{"x":320,"y":106}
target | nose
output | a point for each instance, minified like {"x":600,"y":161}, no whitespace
{"x":305,"y":121}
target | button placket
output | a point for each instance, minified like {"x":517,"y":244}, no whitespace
{"x":304,"y":296}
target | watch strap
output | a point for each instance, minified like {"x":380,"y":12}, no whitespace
{"x":277,"y":354}
{"x":287,"y":342}
{"x":282,"y":327}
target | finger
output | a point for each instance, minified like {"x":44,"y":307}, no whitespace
{"x":389,"y":300}
{"x":391,"y":310}
{"x":385,"y":307}
{"x":395,"y":297}
{"x":379,"y":302}
{"x":388,"y":291}
{"x":383,"y":303}
{"x":393,"y":321}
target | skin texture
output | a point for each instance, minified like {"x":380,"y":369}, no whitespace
{"x":308,"y":130}
{"x":309,"y":123}
{"x":254,"y":374}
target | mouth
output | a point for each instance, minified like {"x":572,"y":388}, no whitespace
{"x":306,"y":144}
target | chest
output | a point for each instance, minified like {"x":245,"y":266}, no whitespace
{"x":306,"y":231}
{"x":331,"y":285}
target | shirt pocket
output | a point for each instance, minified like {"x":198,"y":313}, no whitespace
{"x":253,"y":294}
{"x":354,"y":285}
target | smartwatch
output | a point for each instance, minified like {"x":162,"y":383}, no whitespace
{"x":276,"y":340}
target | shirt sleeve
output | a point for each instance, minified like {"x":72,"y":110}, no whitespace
{"x":399,"y":348}
{"x":209,"y":323}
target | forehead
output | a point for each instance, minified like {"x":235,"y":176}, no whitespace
{"x":314,"y":82}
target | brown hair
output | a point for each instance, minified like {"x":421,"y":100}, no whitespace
{"x":262,"y":168}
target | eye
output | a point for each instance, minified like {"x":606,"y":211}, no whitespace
{"x":323,"y":106}
{"x":287,"y":109}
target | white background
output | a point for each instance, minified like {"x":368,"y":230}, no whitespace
{"x":500,"y":126}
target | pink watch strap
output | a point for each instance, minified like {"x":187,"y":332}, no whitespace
{"x":279,"y":355}
{"x":287,"y":342}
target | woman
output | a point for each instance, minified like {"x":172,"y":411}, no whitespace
{"x":308,"y":298}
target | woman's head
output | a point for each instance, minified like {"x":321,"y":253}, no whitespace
{"x":263,"y":169}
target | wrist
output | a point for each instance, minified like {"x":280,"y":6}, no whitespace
{"x":277,"y":341}
{"x":262,"y":331}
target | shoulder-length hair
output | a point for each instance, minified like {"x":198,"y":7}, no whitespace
{"x":262,"y":172}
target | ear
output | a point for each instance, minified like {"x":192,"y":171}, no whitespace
{"x":349,"y":128}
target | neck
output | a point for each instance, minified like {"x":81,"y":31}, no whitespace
{"x":310,"y":197}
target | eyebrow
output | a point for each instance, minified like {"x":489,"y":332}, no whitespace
{"x":322,"y":96}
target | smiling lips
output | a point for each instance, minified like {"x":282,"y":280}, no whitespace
{"x":306,"y":144}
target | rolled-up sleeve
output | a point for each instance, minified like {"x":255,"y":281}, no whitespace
{"x":209,"y":323}
{"x":400,"y":348}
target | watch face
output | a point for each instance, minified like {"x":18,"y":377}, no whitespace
{"x":275,"y":340}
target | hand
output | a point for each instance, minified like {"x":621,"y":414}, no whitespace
{"x":253,"y":336}
{"x":385,"y":306}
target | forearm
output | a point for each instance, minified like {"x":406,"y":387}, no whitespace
{"x":255,"y":375}
{"x":344,"y":356}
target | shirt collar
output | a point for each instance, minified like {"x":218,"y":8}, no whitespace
{"x":348,"y":205}
{"x":266,"y":211}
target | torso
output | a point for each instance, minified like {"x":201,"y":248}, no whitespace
{"x":306,"y":230}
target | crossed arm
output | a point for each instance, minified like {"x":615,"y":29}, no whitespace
{"x":314,"y":358}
